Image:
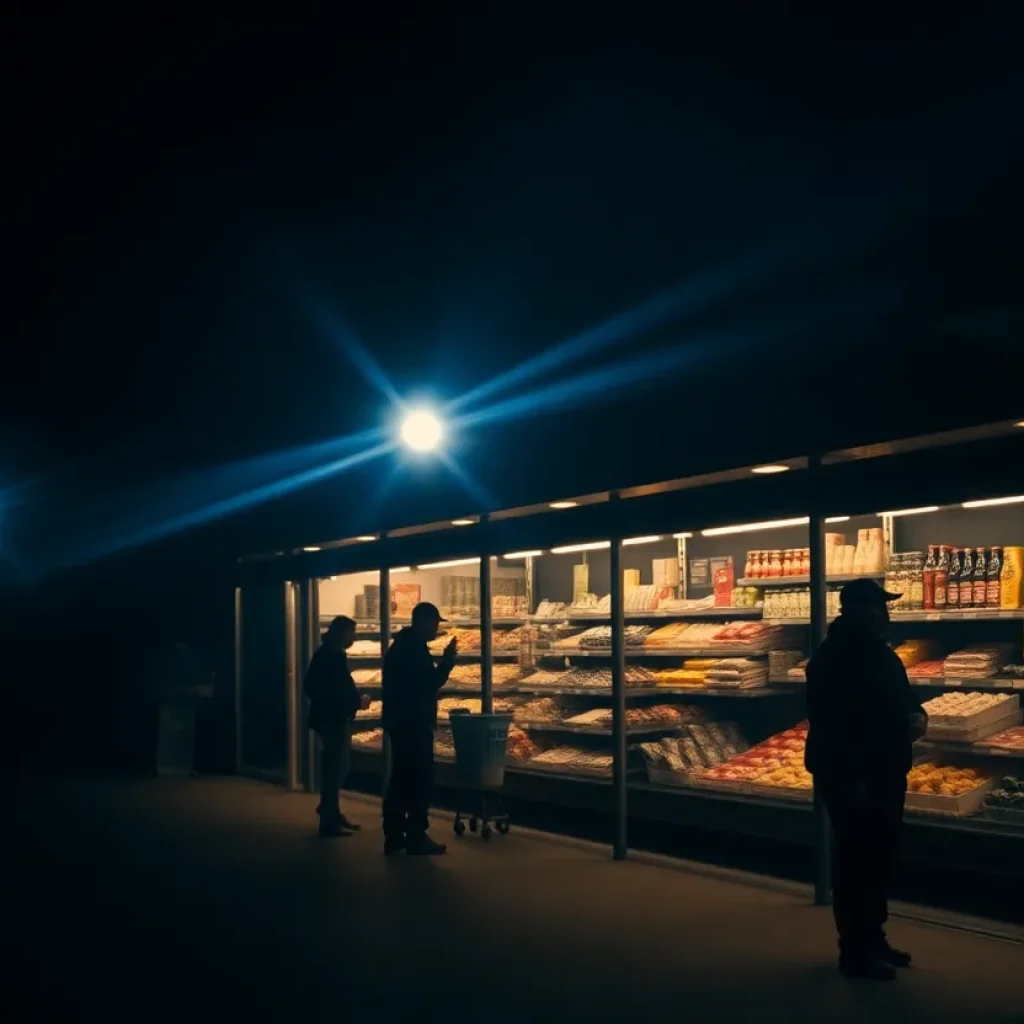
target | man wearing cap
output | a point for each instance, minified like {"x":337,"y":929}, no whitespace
{"x":334,"y":701}
{"x":411,"y":682}
{"x":864,"y":719}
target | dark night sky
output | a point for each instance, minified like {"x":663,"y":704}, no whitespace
{"x":467,"y":194}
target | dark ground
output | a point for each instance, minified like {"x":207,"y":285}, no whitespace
{"x":143,"y":899}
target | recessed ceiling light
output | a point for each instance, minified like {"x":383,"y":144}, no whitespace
{"x":562,"y":504}
{"x":568,"y":549}
{"x":911,"y":511}
{"x":366,"y":537}
{"x":310,"y":547}
{"x":767,"y":470}
{"x":640,"y":540}
{"x":524,"y":554}
{"x":986,"y":502}
{"x":462,"y":522}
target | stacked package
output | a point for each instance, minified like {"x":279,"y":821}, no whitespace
{"x":366,"y":677}
{"x":601,"y":636}
{"x":699,"y":748}
{"x":693,"y":673}
{"x":928,"y":669}
{"x":756,"y":635}
{"x":978,"y":661}
{"x":913,"y":652}
{"x":798,"y":673}
{"x":738,"y":673}
{"x":667,"y":636}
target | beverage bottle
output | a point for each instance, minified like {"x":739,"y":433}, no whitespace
{"x":995,"y":568}
{"x":980,"y":588}
{"x":901,"y":581}
{"x":942,"y":579}
{"x":929,"y":579}
{"x":916,"y":581}
{"x":748,"y":568}
{"x":967,"y":579}
{"x":953,"y":584}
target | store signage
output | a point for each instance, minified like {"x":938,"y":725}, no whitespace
{"x":700,"y":572}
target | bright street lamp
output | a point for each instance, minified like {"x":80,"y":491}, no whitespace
{"x":421,"y":431}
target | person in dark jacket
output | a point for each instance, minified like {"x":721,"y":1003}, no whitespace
{"x":864,"y":719}
{"x":334,"y":701}
{"x":411,"y":682}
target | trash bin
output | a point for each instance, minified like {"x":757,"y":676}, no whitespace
{"x":480,"y":745}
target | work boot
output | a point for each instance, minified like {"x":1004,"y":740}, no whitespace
{"x":350,"y":825}
{"x":394,"y":844}
{"x":424,"y":846}
{"x":865,"y":964}
{"x":333,"y":830}
{"x":890,"y":956}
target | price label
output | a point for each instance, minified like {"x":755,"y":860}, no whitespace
{"x":954,"y":682}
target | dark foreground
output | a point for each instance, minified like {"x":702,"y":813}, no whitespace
{"x":145,"y":900}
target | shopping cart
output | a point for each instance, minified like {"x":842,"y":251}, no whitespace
{"x":480,"y":742}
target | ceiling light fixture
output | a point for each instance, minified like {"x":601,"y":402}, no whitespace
{"x":771,"y":524}
{"x":364,"y":538}
{"x":450,"y":564}
{"x":463,"y":522}
{"x":986,"y":502}
{"x":682,"y":536}
{"x":911,"y":511}
{"x":563,"y":504}
{"x":629,"y":541}
{"x":523,"y":554}
{"x":569,"y":549}
{"x":400,"y":568}
{"x":311,"y":547}
{"x":768,"y":470}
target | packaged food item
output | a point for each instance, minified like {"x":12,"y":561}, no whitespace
{"x":724,"y":580}
{"x":979,"y":582}
{"x":1011,"y":578}
{"x":942,"y":579}
{"x":953,"y":582}
{"x":930,"y":566}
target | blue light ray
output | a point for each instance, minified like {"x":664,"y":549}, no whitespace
{"x":227,"y":506}
{"x":481,"y":498}
{"x":687,"y":298}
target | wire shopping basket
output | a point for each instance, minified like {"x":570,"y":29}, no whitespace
{"x":480,"y":745}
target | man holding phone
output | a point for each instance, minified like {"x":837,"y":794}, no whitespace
{"x":411,"y":682}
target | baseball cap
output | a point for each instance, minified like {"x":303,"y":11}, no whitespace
{"x":859,"y":593}
{"x":425,"y":611}
{"x":338,"y":624}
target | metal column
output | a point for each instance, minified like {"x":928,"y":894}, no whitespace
{"x":292,"y":682}
{"x":385,"y":641}
{"x":309,"y":619}
{"x":486,"y":636}
{"x":238,"y":680}
{"x":618,"y":623}
{"x":819,"y":627}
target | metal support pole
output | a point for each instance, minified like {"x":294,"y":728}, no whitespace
{"x":618,"y":624}
{"x":238,"y":680}
{"x":486,"y":635}
{"x":819,"y":627}
{"x":385,"y":642}
{"x":292,"y":684}
{"x":310,"y":620}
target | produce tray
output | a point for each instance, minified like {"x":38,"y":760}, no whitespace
{"x":950,"y":806}
{"x":978,"y":727}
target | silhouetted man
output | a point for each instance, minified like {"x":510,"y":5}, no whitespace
{"x":864,"y":718}
{"x":411,"y":682}
{"x":334,"y":701}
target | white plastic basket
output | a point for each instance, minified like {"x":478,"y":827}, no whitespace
{"x":481,"y":742}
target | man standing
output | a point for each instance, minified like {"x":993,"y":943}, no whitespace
{"x":334,"y":701}
{"x":864,"y":718}
{"x":411,"y":682}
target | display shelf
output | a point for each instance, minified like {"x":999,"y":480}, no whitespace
{"x":993,"y":683}
{"x":365,"y":721}
{"x":564,"y":772}
{"x":655,"y":652}
{"x":661,"y":616}
{"x":650,"y":691}
{"x":966,"y":615}
{"x":979,"y":748}
{"x":651,"y":729}
{"x":804,"y":581}
{"x":476,"y":655}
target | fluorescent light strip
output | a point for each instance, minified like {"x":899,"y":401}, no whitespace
{"x":310,"y":547}
{"x":463,"y":522}
{"x":681,"y":536}
{"x":640,"y":540}
{"x":366,"y":537}
{"x":400,"y":568}
{"x":772,"y":524}
{"x":562,"y":504}
{"x":986,"y":502}
{"x":523,"y":554}
{"x":571,"y":548}
{"x":768,"y":470}
{"x":911,"y":511}
{"x":838,"y":519}
{"x":448,"y":565}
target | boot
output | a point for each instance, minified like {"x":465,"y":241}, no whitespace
{"x":890,"y":956}
{"x":424,"y":846}
{"x":866,"y":964}
{"x":394,"y":844}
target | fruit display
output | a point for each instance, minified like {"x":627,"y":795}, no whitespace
{"x":738,"y":673}
{"x":1008,"y":795}
{"x":778,"y":761}
{"x":978,"y":661}
{"x":944,"y":780}
{"x":1007,"y":739}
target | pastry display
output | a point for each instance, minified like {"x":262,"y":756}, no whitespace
{"x":521,"y":746}
{"x":1007,"y":739}
{"x":778,"y":761}
{"x":574,"y":759}
{"x":912,"y":652}
{"x":978,"y":661}
{"x":539,"y":709}
{"x":364,"y":649}
{"x":366,"y":677}
{"x":945,"y":780}
{"x":958,"y":708}
{"x":928,"y":670}
{"x":446,"y":705}
{"x":375,"y":710}
{"x":368,"y":737}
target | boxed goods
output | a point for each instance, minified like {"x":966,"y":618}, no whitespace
{"x":970,"y":716}
{"x":1007,"y":739}
{"x":738,"y":673}
{"x":1011,"y":579}
{"x":947,"y":789}
{"x":910,"y":652}
{"x":979,"y":661}
{"x":404,"y":597}
{"x":723,"y":583}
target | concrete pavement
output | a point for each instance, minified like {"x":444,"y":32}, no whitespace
{"x":156,"y":898}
